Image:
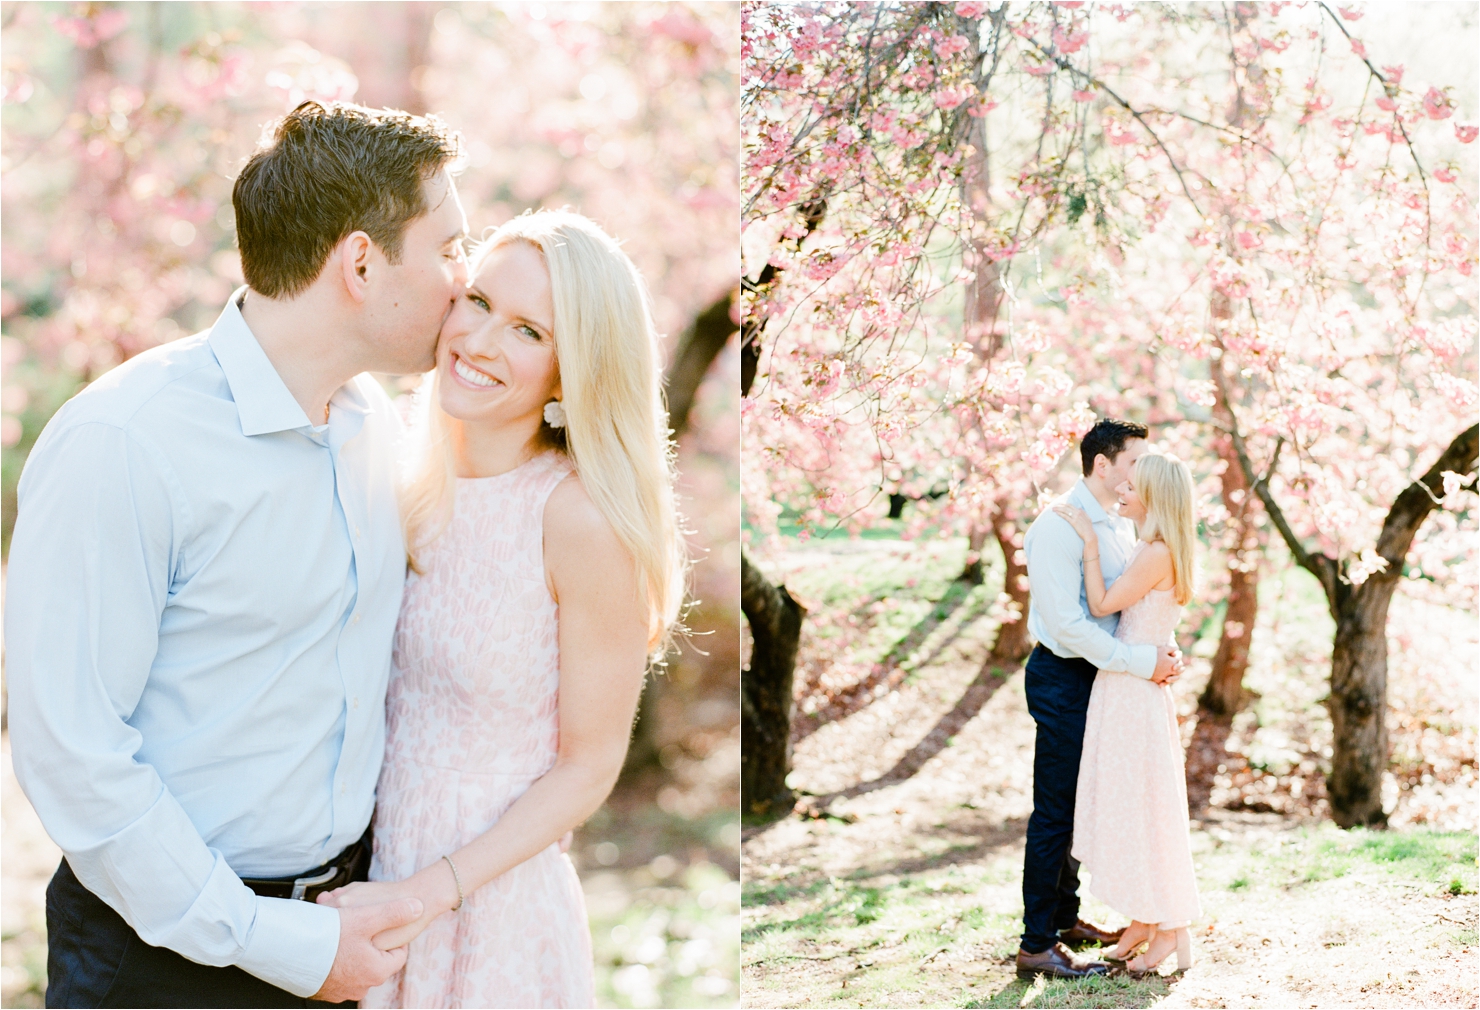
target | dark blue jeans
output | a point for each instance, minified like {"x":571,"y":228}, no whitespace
{"x":1058,"y":697}
{"x":94,"y":959}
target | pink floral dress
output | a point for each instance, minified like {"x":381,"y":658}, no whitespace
{"x":472,"y":721}
{"x":1130,"y":813}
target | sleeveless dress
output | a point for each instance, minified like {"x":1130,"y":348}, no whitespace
{"x":471,"y":722}
{"x":1130,"y":812}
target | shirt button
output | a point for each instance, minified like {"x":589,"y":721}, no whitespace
{"x":356,"y":703}
{"x":355,"y":619}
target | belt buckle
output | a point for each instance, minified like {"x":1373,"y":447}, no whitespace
{"x":302,"y":884}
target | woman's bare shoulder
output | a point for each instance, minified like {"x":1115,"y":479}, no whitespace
{"x":576,"y":530}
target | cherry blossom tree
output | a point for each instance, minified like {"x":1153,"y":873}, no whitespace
{"x":125,"y":124}
{"x":1227,"y":220}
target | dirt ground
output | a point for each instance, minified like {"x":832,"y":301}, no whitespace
{"x":902,"y":887}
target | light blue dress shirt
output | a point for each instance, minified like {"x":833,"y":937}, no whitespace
{"x":203,"y":589}
{"x":1058,"y":610}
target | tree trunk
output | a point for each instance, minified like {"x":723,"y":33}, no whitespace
{"x":1013,"y":643}
{"x":975,"y":541}
{"x":1225,"y":691}
{"x":700,"y":345}
{"x":775,"y":618}
{"x":765,"y":693}
{"x":1358,"y":702}
{"x":418,"y":36}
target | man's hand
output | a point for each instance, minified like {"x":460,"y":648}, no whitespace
{"x":1168,"y":664}
{"x":359,"y":964}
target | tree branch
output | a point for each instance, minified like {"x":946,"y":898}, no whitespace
{"x":1415,"y":503}
{"x":1322,"y":566}
{"x":1071,"y":68}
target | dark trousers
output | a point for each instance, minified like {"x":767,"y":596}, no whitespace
{"x":1058,"y":697}
{"x":94,"y":959}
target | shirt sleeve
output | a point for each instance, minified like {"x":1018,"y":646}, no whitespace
{"x":91,"y":559}
{"x":1055,"y":573}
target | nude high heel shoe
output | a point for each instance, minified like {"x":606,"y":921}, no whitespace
{"x":1159,"y":948}
{"x":1134,"y":937}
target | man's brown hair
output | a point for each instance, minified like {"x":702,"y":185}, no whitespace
{"x":1108,"y":438}
{"x":330,"y":170}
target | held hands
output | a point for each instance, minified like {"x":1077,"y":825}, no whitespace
{"x":359,"y":963}
{"x":433,"y":889}
{"x":1079,"y":519}
{"x":1168,"y":664}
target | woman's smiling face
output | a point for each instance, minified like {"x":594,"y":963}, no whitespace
{"x":496,"y":357}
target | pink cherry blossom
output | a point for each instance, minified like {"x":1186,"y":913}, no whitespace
{"x":949,"y":98}
{"x":1466,"y":132}
{"x":983,"y":107}
{"x":1350,"y":13}
{"x":1083,"y":96}
{"x":1437,"y":104}
{"x":952,"y":45}
{"x":1069,"y":41}
{"x":89,"y":30}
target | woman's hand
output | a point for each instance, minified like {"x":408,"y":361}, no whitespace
{"x":433,"y":886}
{"x":1080,"y":520}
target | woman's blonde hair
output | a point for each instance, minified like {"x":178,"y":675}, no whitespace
{"x":616,"y":430}
{"x":1164,"y":485}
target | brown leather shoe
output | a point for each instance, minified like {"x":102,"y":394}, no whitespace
{"x":1057,"y":961}
{"x":1084,"y":934}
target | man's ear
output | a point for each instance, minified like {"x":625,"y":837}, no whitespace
{"x":354,"y":262}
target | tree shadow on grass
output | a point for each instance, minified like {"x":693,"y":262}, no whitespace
{"x":987,"y":839}
{"x":887,"y":673}
{"x":976,"y":695}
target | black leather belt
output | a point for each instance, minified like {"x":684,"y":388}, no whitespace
{"x":350,"y":865}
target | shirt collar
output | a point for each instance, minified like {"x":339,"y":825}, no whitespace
{"x":1085,"y":499}
{"x":263,"y":402}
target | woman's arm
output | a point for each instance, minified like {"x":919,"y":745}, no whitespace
{"x":1151,"y":567}
{"x":603,"y":658}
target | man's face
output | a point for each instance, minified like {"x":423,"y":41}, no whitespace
{"x":418,"y":292}
{"x":1119,"y":472}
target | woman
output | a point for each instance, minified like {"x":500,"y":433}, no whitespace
{"x":1130,"y":812}
{"x":547,"y":568}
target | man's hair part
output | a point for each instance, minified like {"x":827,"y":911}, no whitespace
{"x":1108,"y":438}
{"x":329,"y":170}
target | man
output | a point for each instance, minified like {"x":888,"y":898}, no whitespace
{"x":1072,"y":645}
{"x":204,"y":581}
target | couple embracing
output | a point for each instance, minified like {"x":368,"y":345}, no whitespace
{"x":1110,"y":567}
{"x":220,"y":665}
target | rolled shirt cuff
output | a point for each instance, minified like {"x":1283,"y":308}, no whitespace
{"x":1142,"y":661}
{"x":292,"y":944}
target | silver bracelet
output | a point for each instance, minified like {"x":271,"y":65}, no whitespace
{"x":458,"y":881}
